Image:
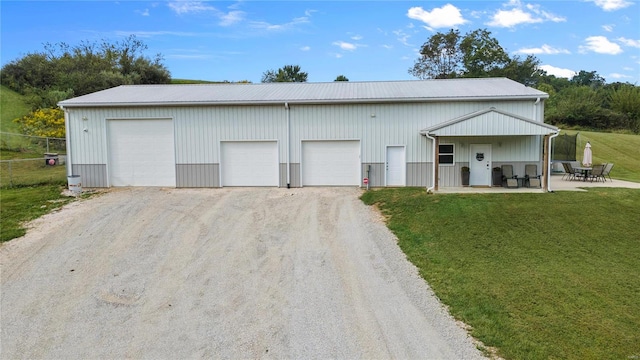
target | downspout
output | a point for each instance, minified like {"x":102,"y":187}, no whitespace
{"x":535,"y":109}
{"x":286,"y":107}
{"x":68,"y":141}
{"x":549,"y":162}
{"x":433,"y":170}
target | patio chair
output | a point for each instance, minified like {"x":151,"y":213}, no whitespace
{"x":596,"y":172}
{"x":606,"y":171}
{"x":574,"y":173}
{"x":508,"y":178}
{"x":567,"y":172}
{"x":531,"y":176}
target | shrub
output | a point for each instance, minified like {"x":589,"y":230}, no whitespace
{"x":46,"y":122}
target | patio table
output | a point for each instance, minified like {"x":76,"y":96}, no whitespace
{"x":585,"y":172}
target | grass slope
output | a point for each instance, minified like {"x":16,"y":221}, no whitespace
{"x":12,"y":106}
{"x":535,"y":276}
{"x":621,"y":149}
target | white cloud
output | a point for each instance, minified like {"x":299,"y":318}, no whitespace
{"x":629,"y":42}
{"x":600,"y":45}
{"x":356,"y":37}
{"x":612,"y":5}
{"x":518,"y":13}
{"x":444,"y":17}
{"x":544,"y":49}
{"x":263,"y":25}
{"x":345,"y":45}
{"x":558,"y":72}
{"x":388,"y":47}
{"x":149,"y":34}
{"x":402,"y":37}
{"x":619,"y":76}
{"x":608,"y":28}
{"x":305,"y":48}
{"x":511,"y":18}
{"x":144,"y":12}
{"x":186,"y":7}
{"x":189,"y":7}
{"x":231,"y":18}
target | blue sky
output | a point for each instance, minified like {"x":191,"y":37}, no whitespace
{"x":363,"y":40}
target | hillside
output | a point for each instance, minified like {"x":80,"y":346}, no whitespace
{"x":621,"y":149}
{"x":12,"y":106}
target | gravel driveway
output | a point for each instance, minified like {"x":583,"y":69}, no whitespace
{"x":223,"y":273}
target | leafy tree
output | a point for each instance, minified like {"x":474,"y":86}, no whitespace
{"x":43,"y":122}
{"x":477,"y":54}
{"x":588,"y":78}
{"x":440,"y":57}
{"x":482,"y":55}
{"x":558,"y":83}
{"x":341,"y":78}
{"x":82,"y":69}
{"x":526,"y":71}
{"x":288,"y":73}
{"x":626,"y":100}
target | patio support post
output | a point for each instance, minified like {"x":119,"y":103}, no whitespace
{"x":547,"y":163}
{"x":436,"y":162}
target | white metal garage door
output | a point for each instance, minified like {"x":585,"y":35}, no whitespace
{"x":141,"y":152}
{"x":331,"y":162}
{"x":249,"y":163}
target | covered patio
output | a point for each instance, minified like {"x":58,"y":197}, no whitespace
{"x":556,"y":184}
{"x":486,"y":139}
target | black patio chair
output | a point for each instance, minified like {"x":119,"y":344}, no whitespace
{"x":607,"y":170}
{"x":596,"y":172}
{"x":574,"y":173}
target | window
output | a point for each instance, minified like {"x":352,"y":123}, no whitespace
{"x":445,"y":154}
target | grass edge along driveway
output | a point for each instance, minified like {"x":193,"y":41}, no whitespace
{"x":19,"y":205}
{"x":536,"y":276}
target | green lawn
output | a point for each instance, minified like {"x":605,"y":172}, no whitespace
{"x":32,"y":172}
{"x":27,"y":203}
{"x":537,"y":276}
{"x":12,"y":106}
{"x":621,"y":149}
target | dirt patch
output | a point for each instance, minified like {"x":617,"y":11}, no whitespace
{"x":225,"y":273}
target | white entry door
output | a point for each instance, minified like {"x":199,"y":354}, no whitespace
{"x":395,"y":166}
{"x":480,"y":165}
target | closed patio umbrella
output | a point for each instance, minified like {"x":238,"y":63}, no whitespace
{"x":587,"y":156}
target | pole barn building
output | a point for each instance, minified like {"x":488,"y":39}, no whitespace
{"x":395,"y":133}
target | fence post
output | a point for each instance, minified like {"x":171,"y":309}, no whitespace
{"x":47,"y":144}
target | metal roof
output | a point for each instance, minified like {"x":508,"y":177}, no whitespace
{"x":308,"y":93}
{"x":490,"y":121}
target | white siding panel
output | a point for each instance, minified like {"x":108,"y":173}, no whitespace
{"x":493,"y":124}
{"x":199,"y":130}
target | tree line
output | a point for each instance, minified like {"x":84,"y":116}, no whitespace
{"x":62,"y":71}
{"x":584,"y":101}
